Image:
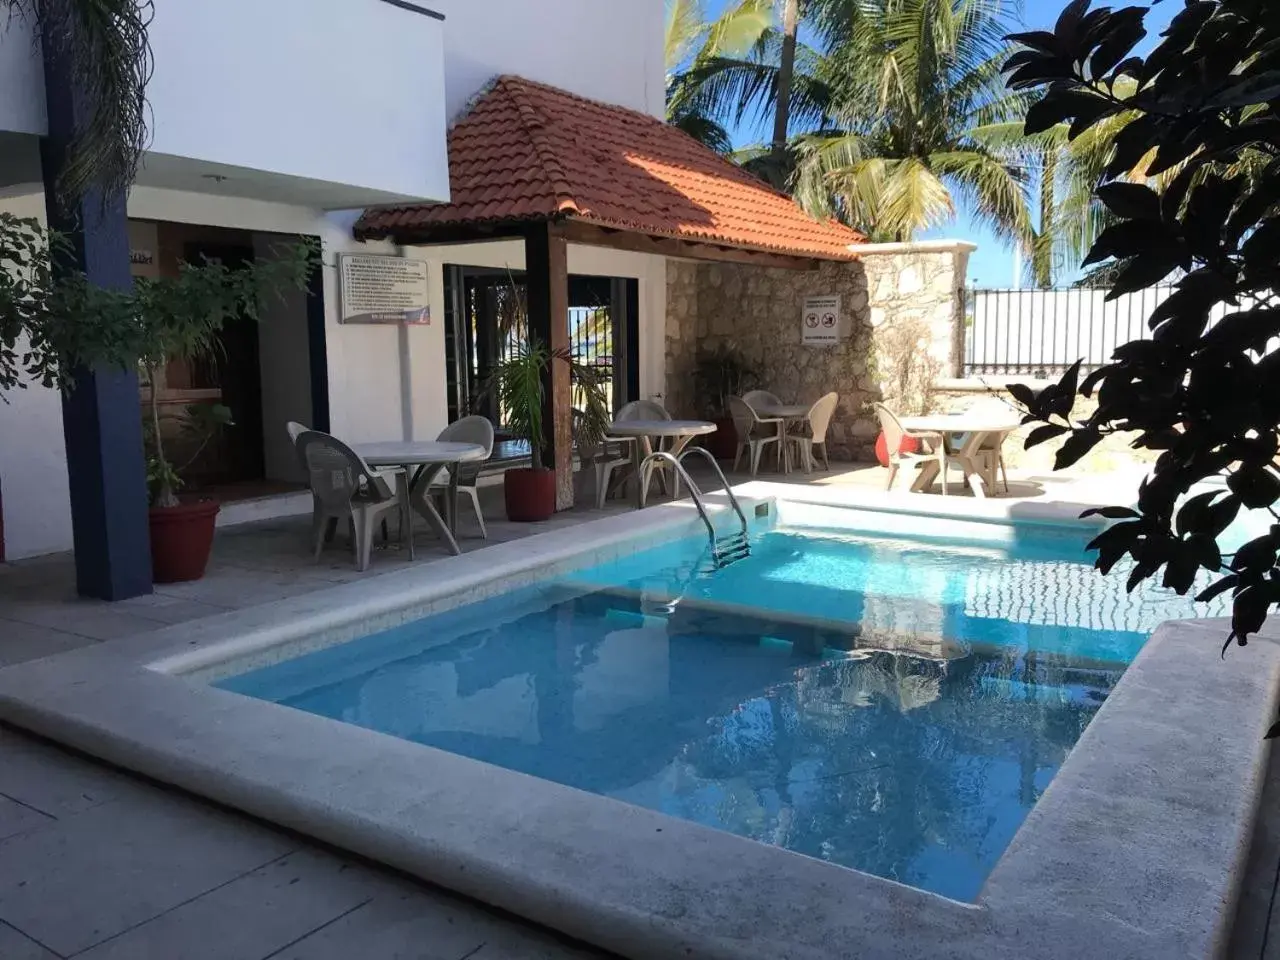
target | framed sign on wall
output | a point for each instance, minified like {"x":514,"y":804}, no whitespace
{"x":820,"y":321}
{"x":383,"y":289}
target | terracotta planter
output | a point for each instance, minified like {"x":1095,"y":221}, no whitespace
{"x":908,"y":445}
{"x":722,"y":444}
{"x":181,"y":538}
{"x":530,"y":494}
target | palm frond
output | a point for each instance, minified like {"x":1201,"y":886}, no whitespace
{"x":103,"y":47}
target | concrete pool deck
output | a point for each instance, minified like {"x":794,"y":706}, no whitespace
{"x":100,"y":672}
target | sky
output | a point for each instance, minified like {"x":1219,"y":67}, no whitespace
{"x":992,"y":264}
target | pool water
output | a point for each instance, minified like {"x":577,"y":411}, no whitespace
{"x":892,"y":706}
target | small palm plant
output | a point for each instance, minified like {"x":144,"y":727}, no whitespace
{"x":517,"y":383}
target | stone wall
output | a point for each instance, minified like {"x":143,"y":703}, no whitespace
{"x":756,"y":310}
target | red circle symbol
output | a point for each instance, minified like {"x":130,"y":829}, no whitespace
{"x":811,"y":320}
{"x":828,"y":319}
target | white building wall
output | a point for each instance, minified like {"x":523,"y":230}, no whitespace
{"x":33,"y":459}
{"x":327,"y":93}
{"x":21,"y":77}
{"x":609,"y":50}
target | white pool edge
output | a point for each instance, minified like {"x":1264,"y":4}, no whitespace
{"x":1135,"y":850}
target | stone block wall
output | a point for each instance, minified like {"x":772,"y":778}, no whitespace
{"x":756,"y":310}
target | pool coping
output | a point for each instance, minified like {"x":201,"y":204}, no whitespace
{"x":1136,"y":848}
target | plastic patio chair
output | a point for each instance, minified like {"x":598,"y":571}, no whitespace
{"x":754,"y":433}
{"x":472,"y":429}
{"x":642,"y":410}
{"x":990,"y":455}
{"x":648,"y":410}
{"x":605,"y":457}
{"x":761,"y":398}
{"x":813,"y":431}
{"x":345,"y":488}
{"x":933,"y":447}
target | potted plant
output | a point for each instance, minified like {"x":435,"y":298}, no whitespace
{"x":68,"y":322}
{"x":516,"y":383}
{"x":718,"y":375}
{"x":908,"y":371}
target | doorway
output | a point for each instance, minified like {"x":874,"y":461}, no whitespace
{"x":484,"y":323}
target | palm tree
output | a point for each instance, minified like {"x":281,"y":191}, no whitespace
{"x":104,"y":42}
{"x":746,"y":65}
{"x":696,"y":51}
{"x":911,"y":81}
{"x":786,"y":73}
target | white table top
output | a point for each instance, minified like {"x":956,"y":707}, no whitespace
{"x":961,"y":423}
{"x":661,"y":428}
{"x":397,"y":452}
{"x":783,"y":411}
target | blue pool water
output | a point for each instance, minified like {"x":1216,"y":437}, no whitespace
{"x":892,"y":706}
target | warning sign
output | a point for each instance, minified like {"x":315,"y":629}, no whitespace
{"x":820,"y":321}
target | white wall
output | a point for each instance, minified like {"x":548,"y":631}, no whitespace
{"x":33,"y":459}
{"x":347,"y":92}
{"x":609,"y":50}
{"x":21,"y":77}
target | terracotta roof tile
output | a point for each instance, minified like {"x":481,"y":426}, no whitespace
{"x":527,"y":151}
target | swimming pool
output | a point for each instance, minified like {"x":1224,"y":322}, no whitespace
{"x":896,"y":706}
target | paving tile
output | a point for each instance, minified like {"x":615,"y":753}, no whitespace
{"x":252,"y":916}
{"x":88,"y":618}
{"x":94,"y":875}
{"x":20,"y":642}
{"x":14,"y":945}
{"x":408,"y":922}
{"x":17,"y":818}
{"x":58,"y":783}
{"x":166,"y":609}
{"x":236,"y":589}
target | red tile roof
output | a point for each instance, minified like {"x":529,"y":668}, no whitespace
{"x":529,"y":152}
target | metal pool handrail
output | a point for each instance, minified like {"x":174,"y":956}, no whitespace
{"x":731,"y":548}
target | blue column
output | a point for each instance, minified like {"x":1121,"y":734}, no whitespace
{"x":101,"y":416}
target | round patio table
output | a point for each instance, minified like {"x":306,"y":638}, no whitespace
{"x":679,"y":432}
{"x":965,"y":435}
{"x":422,"y":460}
{"x":786,"y":412}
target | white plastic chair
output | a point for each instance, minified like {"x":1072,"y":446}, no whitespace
{"x":649,"y":410}
{"x":990,"y":455}
{"x":472,"y":429}
{"x":761,"y":398}
{"x":932,"y":446}
{"x":609,"y":455}
{"x":754,"y":433}
{"x":813,"y":432}
{"x":642,"y":410}
{"x":345,"y":488}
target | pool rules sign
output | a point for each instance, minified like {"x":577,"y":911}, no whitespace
{"x":820,"y":321}
{"x":381,"y":289}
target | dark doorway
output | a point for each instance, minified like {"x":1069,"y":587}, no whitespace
{"x":235,"y":371}
{"x":483,"y":325}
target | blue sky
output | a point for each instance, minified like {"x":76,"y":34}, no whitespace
{"x":992,"y":264}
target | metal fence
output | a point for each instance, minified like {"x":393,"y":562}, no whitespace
{"x":1042,"y":332}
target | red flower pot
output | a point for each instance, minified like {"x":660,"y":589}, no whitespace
{"x":723,"y":444}
{"x":530,"y":494}
{"x":181,"y":538}
{"x":908,"y":445}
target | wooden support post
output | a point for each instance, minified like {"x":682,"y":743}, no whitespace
{"x":547,"y":278}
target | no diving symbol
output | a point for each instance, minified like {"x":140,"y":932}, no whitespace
{"x":811,"y":320}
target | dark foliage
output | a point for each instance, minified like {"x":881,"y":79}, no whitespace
{"x":1204,"y":394}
